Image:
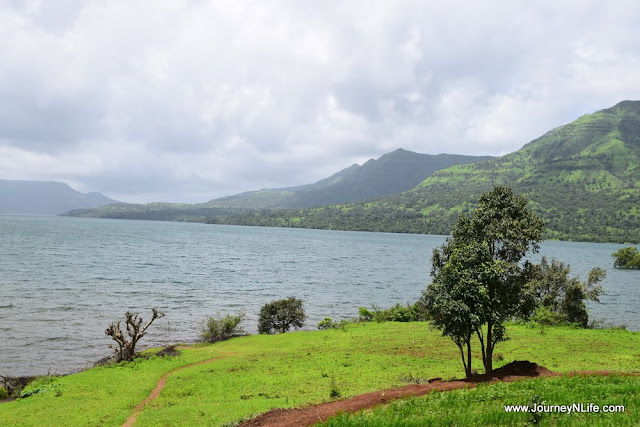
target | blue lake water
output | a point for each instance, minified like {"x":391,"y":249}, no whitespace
{"x":64,"y":280}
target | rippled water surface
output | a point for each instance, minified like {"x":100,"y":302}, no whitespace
{"x":64,"y":280}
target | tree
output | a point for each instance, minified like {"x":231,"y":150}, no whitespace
{"x":626,"y":258}
{"x":563,"y":296}
{"x":279,"y":316}
{"x":135,"y":331}
{"x":479,"y":279}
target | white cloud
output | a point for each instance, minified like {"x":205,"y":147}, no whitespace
{"x":186,"y":101}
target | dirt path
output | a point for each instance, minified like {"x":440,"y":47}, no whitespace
{"x":297,"y":417}
{"x":309,"y":416}
{"x":162,"y":382}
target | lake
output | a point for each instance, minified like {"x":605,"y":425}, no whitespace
{"x":64,"y":280}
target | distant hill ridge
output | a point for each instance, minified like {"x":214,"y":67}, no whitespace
{"x":392,"y":173}
{"x":583,"y":178}
{"x":396,"y":171}
{"x":45,"y":197}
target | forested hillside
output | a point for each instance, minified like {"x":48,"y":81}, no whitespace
{"x":583,"y":178}
{"x":392,"y":173}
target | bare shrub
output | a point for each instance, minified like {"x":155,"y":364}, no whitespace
{"x":126,"y":349}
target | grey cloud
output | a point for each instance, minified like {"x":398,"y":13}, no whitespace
{"x":188,"y":99}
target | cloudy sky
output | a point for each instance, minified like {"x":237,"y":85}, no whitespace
{"x":191,"y":100}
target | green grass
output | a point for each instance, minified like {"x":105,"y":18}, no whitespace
{"x":256,"y":373}
{"x":485,"y":404}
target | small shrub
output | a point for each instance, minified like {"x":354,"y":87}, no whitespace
{"x":41,"y":385}
{"x":279,"y":316}
{"x":326,"y":323}
{"x":400,"y":313}
{"x":545,"y":317}
{"x":397,"y":313}
{"x":627,"y":258}
{"x":410,"y":379}
{"x":334,"y":392}
{"x":621,"y":327}
{"x":364,"y":315}
{"x":217,"y":328}
{"x":3,"y":393}
{"x":342,"y":324}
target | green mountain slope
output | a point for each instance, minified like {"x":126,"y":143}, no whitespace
{"x":392,"y":173}
{"x":583,"y":178}
{"x":45,"y":197}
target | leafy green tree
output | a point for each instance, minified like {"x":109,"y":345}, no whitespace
{"x":627,"y":258}
{"x":557,"y":293}
{"x":279,"y":316}
{"x":479,"y":279}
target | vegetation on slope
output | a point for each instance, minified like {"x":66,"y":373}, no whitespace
{"x":157,"y":212}
{"x":582,"y":178}
{"x":392,"y":173}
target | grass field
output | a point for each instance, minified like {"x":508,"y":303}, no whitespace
{"x":485,"y":404}
{"x":256,"y":373}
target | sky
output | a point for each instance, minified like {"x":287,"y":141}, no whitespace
{"x":186,"y":101}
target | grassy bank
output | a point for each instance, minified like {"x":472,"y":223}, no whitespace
{"x":485,"y":405}
{"x":256,"y":373}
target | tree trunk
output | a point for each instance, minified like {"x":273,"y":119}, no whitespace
{"x":468,"y":370}
{"x":488,"y":354}
{"x":466,"y":362}
{"x":482,"y":346}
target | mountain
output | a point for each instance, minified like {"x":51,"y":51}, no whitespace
{"x":392,"y":173}
{"x":583,"y":178}
{"x":45,"y":197}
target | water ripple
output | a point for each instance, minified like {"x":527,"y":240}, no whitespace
{"x":56,"y":282}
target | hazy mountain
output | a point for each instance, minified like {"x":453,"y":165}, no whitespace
{"x":583,"y":178}
{"x":392,"y":173}
{"x":45,"y":197}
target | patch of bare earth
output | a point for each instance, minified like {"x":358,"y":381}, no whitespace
{"x":309,"y":416}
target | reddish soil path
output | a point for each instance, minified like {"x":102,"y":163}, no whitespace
{"x":162,"y":382}
{"x":297,"y":417}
